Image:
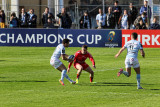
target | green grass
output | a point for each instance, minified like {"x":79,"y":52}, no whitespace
{"x":28,"y":80}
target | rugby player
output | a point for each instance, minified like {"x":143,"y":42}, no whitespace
{"x":80,"y":64}
{"x":57,"y":64}
{"x":133,"y":46}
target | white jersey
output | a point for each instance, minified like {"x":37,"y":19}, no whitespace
{"x":133,"y":46}
{"x":60,"y":49}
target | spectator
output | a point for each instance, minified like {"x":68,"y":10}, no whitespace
{"x":145,"y":9}
{"x":23,"y":19}
{"x":110,"y":20}
{"x":2,"y":19}
{"x":47,"y":15}
{"x":117,"y":13}
{"x":132,"y":14}
{"x":14,"y":23}
{"x":141,"y":24}
{"x":64,"y":19}
{"x":123,"y":20}
{"x":85,"y":21}
{"x":32,"y":19}
{"x":49,"y":23}
{"x":100,"y":19}
{"x":155,"y":24}
{"x":143,"y":17}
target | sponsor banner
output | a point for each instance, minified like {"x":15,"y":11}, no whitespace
{"x":53,"y":37}
{"x":148,"y":38}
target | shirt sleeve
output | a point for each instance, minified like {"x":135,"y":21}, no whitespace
{"x":97,"y":17}
{"x":91,"y":59}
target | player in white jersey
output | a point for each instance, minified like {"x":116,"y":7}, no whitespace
{"x":57,"y":64}
{"x":133,"y":46}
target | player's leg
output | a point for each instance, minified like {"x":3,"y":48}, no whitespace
{"x":79,"y":68}
{"x":63,"y":71}
{"x":89,"y":70}
{"x":136,"y":67}
{"x":128,"y":69}
{"x":63,"y":74}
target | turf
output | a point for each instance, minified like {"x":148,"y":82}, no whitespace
{"x":28,"y":80}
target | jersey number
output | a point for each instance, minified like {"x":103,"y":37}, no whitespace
{"x":131,"y":47}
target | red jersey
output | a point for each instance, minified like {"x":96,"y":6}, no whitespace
{"x":80,"y":58}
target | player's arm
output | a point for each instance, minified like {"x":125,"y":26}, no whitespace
{"x":142,"y":53}
{"x":120,"y":51}
{"x":70,"y":64}
{"x":92,"y":60}
{"x":63,"y":55}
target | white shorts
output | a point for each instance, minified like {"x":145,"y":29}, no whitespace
{"x":55,"y":63}
{"x":129,"y":62}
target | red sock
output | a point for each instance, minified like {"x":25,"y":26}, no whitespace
{"x":91,"y":79}
{"x":78,"y":76}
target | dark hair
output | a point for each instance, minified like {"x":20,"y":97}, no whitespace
{"x":47,"y":8}
{"x":134,"y":35}
{"x":84,"y":46}
{"x":65,"y":41}
{"x":13,"y":14}
{"x":116,"y":2}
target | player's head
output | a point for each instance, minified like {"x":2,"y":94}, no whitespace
{"x":84,"y":49}
{"x":65,"y":42}
{"x":134,"y":35}
{"x":116,"y":3}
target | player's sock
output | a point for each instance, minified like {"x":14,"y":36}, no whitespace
{"x":91,"y":79}
{"x":67,"y":77}
{"x":138,"y":80}
{"x":125,"y":73}
{"x":78,"y":76}
{"x":63,"y":74}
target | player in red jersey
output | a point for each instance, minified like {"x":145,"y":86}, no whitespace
{"x":80,"y":64}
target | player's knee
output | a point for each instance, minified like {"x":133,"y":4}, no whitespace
{"x":81,"y":68}
{"x":92,"y":73}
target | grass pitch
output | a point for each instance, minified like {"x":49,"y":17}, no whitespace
{"x":28,"y":80}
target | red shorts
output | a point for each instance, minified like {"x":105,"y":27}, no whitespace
{"x":84,"y":65}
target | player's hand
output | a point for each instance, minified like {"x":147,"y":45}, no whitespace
{"x":116,"y":55}
{"x":70,"y":60}
{"x":94,"y":66}
{"x":68,"y":70}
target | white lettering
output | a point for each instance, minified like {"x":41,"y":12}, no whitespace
{"x":8,"y":38}
{"x":126,"y":37}
{"x":69,"y":36}
{"x":39,"y":37}
{"x":44,"y":38}
{"x":60,"y":38}
{"x":30,"y":39}
{"x":1,"y":41}
{"x":19,"y":38}
{"x":78,"y":39}
{"x":97,"y":38}
{"x":87,"y":39}
{"x":154,"y":40}
{"x":54,"y":38}
{"x":145,"y":39}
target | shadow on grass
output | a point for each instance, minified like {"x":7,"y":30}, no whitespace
{"x":154,"y":89}
{"x":112,"y":84}
{"x":25,"y":81}
{"x":2,"y":60}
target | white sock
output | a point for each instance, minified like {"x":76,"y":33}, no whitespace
{"x":138,"y":80}
{"x":67,"y":77}
{"x":63,"y":74}
{"x":126,"y":73}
